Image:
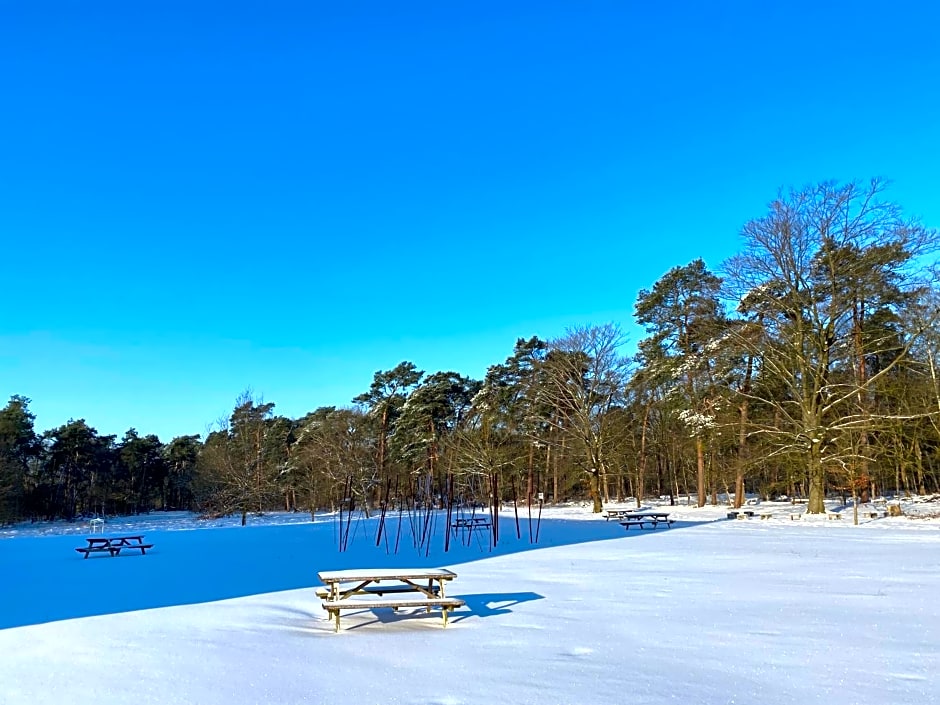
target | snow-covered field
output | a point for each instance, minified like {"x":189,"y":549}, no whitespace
{"x":709,"y":611}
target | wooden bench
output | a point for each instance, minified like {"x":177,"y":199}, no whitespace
{"x":95,"y":549}
{"x":378,"y":589}
{"x":142,"y":546}
{"x":446,"y":604}
{"x":833,"y":515}
{"x":765,"y":515}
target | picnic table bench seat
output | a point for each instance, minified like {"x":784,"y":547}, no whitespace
{"x":379,"y":589}
{"x":446,"y":604}
{"x":93,"y":549}
{"x":142,"y":546}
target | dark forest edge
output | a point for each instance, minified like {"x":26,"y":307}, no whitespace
{"x":806,"y":365}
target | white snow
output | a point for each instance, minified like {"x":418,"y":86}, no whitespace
{"x":710,"y":611}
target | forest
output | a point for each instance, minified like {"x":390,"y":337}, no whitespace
{"x":805,"y":366}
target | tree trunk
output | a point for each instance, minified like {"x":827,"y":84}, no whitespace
{"x":594,"y":479}
{"x":919,"y":468}
{"x":641,"y":469}
{"x":700,"y":466}
{"x":742,"y":457}
{"x":530,"y":480}
{"x":817,"y":484}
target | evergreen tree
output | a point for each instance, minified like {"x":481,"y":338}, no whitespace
{"x":682,"y":312}
{"x":384,"y":400}
{"x":78,"y":471}
{"x":181,"y":456}
{"x":19,"y":445}
{"x":139,"y":474}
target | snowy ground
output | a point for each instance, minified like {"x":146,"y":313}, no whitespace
{"x":709,"y":611}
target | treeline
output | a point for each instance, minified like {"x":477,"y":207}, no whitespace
{"x":806,"y":366}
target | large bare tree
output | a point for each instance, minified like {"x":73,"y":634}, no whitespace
{"x":816,"y":269}
{"x":582,"y":377}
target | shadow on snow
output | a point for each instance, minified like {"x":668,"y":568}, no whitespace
{"x":47,"y":580}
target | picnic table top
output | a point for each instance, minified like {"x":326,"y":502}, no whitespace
{"x":342,"y":576}
{"x":106,"y":539}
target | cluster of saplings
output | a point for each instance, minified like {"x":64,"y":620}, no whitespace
{"x":806,"y":365}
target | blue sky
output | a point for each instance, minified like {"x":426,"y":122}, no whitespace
{"x":202,"y":197}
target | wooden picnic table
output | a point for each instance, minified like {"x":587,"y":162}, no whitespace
{"x":643,"y":518}
{"x":471,"y":523}
{"x":741,"y":513}
{"x":464,"y":529}
{"x":113,"y":545}
{"x":374,"y":588}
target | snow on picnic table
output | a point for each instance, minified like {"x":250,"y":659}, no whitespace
{"x":708,"y":611}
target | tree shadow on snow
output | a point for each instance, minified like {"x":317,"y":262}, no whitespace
{"x":47,"y":580}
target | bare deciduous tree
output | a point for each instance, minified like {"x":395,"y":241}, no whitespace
{"x":822,"y":256}
{"x":582,"y":377}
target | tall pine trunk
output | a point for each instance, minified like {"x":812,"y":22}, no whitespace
{"x":700,"y":470}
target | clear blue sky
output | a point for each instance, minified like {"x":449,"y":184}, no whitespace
{"x":202,"y":197}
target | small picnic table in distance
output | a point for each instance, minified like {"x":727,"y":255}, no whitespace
{"x":644,"y":518}
{"x":114,"y":545}
{"x":619,"y":513}
{"x":367,"y":588}
{"x":741,"y":513}
{"x":471,"y":523}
